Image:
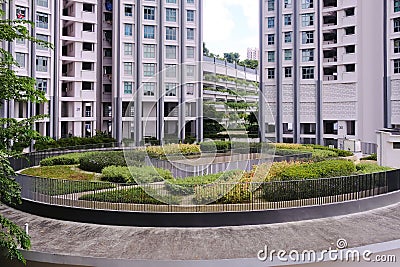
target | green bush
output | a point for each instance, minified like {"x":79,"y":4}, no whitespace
{"x":329,"y":168}
{"x":365,"y":167}
{"x":134,"y":195}
{"x":220,"y":194}
{"x":96,"y":162}
{"x":161,"y":152}
{"x":371,"y":157}
{"x":215,"y":146}
{"x":319,"y":155}
{"x":131,"y":175}
{"x":339,"y":152}
{"x":186,"y":186}
{"x":99,"y":138}
{"x":67,"y":159}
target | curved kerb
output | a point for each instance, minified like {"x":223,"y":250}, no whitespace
{"x":207,"y":219}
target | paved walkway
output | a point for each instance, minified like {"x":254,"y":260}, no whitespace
{"x":79,"y":239}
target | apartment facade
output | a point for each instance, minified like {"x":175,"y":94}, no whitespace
{"x":322,"y":65}
{"x":253,"y":53}
{"x":130,"y":68}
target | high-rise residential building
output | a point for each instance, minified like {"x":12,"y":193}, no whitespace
{"x":323,"y":65}
{"x":130,"y":67}
{"x":253,"y":53}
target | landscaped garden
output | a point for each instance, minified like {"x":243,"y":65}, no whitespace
{"x":105,"y":176}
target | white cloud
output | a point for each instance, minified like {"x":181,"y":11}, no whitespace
{"x":220,"y":32}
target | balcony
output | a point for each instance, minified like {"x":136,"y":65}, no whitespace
{"x":330,"y":19}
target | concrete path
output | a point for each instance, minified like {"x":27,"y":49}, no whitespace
{"x":79,"y":239}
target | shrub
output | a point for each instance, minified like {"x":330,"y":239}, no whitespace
{"x":318,"y":155}
{"x":219,"y":194}
{"x":99,"y":138}
{"x":329,"y":168}
{"x":365,"y":167}
{"x":96,"y":162}
{"x":131,"y":195}
{"x":216,"y":146}
{"x":144,"y":174}
{"x":67,"y":159}
{"x":186,"y":186}
{"x":161,"y":152}
{"x":371,"y":157}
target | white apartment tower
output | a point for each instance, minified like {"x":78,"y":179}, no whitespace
{"x":253,"y":53}
{"x":322,"y":66}
{"x":108,"y":69}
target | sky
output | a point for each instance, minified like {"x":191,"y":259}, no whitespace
{"x":231,"y":25}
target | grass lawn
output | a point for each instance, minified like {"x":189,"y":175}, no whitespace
{"x":69,"y":172}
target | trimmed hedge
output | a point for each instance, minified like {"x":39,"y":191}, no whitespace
{"x":146,"y":174}
{"x":162,"y":152}
{"x":365,"y":167}
{"x":373,"y":157}
{"x":74,"y":141}
{"x":96,"y":162}
{"x":323,"y":169}
{"x":67,"y":159}
{"x":131,"y":195}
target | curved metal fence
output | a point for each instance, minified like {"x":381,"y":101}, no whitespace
{"x":243,"y":197}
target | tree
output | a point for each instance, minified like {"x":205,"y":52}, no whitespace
{"x":249,"y":63}
{"x":232,"y":57}
{"x":14,"y":135}
{"x":206,"y":52}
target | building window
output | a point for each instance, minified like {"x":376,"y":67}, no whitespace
{"x":128,"y":68}
{"x":271,"y":74}
{"x":307,"y":55}
{"x":397,"y":66}
{"x":287,"y":3}
{"x":170,"y":51}
{"x":107,"y":110}
{"x":307,"y":20}
{"x":128,"y":49}
{"x":128,"y":10}
{"x":396,"y":145}
{"x":128,"y":87}
{"x":170,"y":14}
{"x":149,"y":32}
{"x":350,"y":30}
{"x":190,"y":89}
{"x":41,"y":84}
{"x":190,"y":16}
{"x":87,"y":66}
{"x":149,"y":69}
{"x":43,"y":3}
{"x":170,"y":71}
{"x":396,"y":5}
{"x":88,"y":46}
{"x":288,"y":37}
{"x":271,"y":39}
{"x":288,"y":54}
{"x":20,"y":12}
{"x":41,"y":63}
{"x":190,"y":52}
{"x":170,"y":33}
{"x":308,"y":73}
{"x":288,"y":72}
{"x":190,"y":34}
{"x":149,"y":13}
{"x":397,"y":46}
{"x":87,"y":7}
{"x":87,"y":86}
{"x":148,"y":89}
{"x":396,"y":25}
{"x":307,"y":37}
{"x":190,"y":71}
{"x":128,"y":29}
{"x":307,"y":4}
{"x":42,"y":20}
{"x":88,"y":27}
{"x":171,"y":1}
{"x":271,"y":56}
{"x":20,"y":59}
{"x":271,"y":22}
{"x":170,"y":89}
{"x":287,"y":19}
{"x":107,"y":52}
{"x":190,"y":1}
{"x":271,"y":5}
{"x":149,"y":51}
{"x":43,"y":38}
